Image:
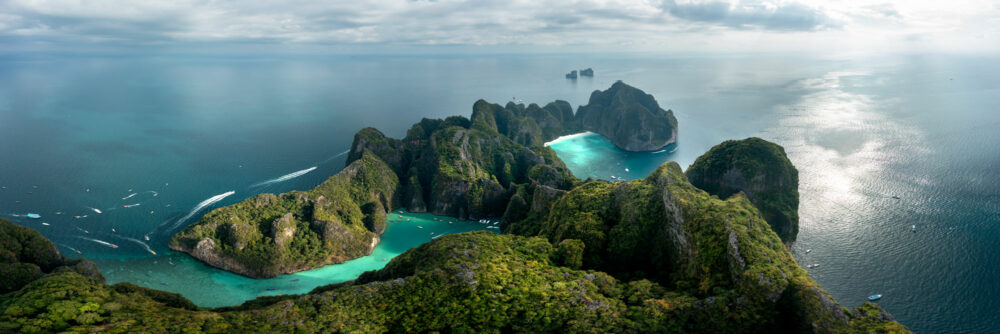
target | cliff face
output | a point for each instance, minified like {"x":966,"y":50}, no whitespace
{"x":722,"y":267}
{"x":725,"y":272}
{"x":761,"y":170}
{"x":268,"y":235}
{"x":629,"y":117}
{"x":470,"y":168}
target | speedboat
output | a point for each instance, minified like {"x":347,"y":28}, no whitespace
{"x":874,"y":297}
{"x":33,"y":215}
{"x":913,"y":228}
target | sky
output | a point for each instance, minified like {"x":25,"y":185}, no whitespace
{"x":499,"y":26}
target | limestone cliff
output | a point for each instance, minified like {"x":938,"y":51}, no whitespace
{"x":761,"y":170}
{"x":629,"y":117}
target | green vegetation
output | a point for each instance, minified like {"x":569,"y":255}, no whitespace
{"x":761,"y":170}
{"x":651,"y":255}
{"x":469,"y":283}
{"x":470,"y":168}
{"x":26,"y":256}
{"x":269,"y":235}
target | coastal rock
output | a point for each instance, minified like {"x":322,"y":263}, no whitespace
{"x":726,"y":283}
{"x":629,"y":117}
{"x":761,"y":170}
{"x":268,"y":235}
{"x":589,"y":72}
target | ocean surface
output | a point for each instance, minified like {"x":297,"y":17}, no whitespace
{"x":155,"y":142}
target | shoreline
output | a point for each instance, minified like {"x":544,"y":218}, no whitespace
{"x":567,"y":137}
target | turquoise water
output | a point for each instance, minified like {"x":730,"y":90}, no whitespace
{"x":190,"y":129}
{"x":210,"y":287}
{"x":590,"y":155}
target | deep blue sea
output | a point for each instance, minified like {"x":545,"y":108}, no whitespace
{"x":79,"y":134}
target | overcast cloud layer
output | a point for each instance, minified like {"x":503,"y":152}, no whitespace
{"x":584,"y":25}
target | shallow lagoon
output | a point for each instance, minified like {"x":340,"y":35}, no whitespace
{"x":210,"y":287}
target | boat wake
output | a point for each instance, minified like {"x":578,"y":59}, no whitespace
{"x":94,"y":209}
{"x":143,"y":244}
{"x":335,"y":156}
{"x":202,"y":205}
{"x":70,"y":248}
{"x":129,"y":196}
{"x":99,"y":241}
{"x":285,"y":177}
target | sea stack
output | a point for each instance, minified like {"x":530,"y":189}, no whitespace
{"x":761,"y":170}
{"x":629,"y":117}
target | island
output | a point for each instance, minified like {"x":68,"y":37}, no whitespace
{"x":658,"y":254}
{"x":571,"y":75}
{"x":589,"y":72}
{"x":629,"y":117}
{"x":459,"y":167}
{"x":650,"y":255}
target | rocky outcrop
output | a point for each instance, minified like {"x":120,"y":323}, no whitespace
{"x":761,"y":170}
{"x":629,"y":117}
{"x":468,"y":168}
{"x":25,"y":256}
{"x":645,"y":256}
{"x":268,"y":235}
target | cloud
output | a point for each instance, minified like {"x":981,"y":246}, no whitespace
{"x":754,"y":15}
{"x":684,"y":25}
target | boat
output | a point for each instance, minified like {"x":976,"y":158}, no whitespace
{"x":418,"y":226}
{"x":913,"y":228}
{"x":874,"y":297}
{"x":895,"y":197}
{"x":815,"y":265}
{"x":271,"y":289}
{"x":626,"y":170}
{"x":46,"y":224}
{"x":33,"y":215}
{"x":808,"y":250}
{"x":295,"y":280}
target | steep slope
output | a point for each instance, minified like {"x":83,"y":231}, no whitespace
{"x":481,"y":282}
{"x":629,"y":117}
{"x":720,"y":253}
{"x":462,"y":168}
{"x":761,"y":170}
{"x":26,"y":256}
